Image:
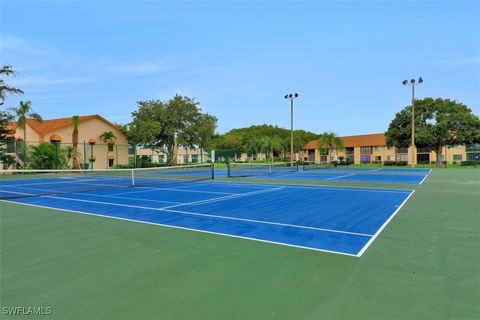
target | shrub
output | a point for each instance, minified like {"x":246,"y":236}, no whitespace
{"x":470,"y":163}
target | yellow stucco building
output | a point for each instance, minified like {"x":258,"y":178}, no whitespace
{"x":93,"y":151}
{"x":372,"y":148}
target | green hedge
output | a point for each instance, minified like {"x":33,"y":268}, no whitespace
{"x":470,"y":163}
{"x":394,"y":163}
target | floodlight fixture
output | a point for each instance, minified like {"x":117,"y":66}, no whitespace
{"x":412,"y":84}
{"x":291,"y":96}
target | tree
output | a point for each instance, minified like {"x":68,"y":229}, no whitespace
{"x":5,"y":88}
{"x":254,"y":146}
{"x":5,"y":117}
{"x":438,"y":123}
{"x":68,"y":151}
{"x":75,"y":121}
{"x":160,"y":124}
{"x":271,"y":144}
{"x":21,"y":112}
{"x":46,"y":156}
{"x":244,"y":137}
{"x":108,"y":137}
{"x":5,"y":132}
{"x":205,"y":131}
{"x":328,"y":141}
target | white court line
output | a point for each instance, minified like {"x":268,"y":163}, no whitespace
{"x":127,"y":198}
{"x":144,"y":189}
{"x":150,"y":189}
{"x":23,"y":193}
{"x":208,"y":215}
{"x":384,"y":225}
{"x":312,"y":186}
{"x":184,"y":228}
{"x":238,"y":195}
{"x":425,"y":176}
{"x":275,"y":223}
{"x":70,"y":180}
{"x":339,"y":177}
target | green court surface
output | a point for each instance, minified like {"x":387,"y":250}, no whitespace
{"x":424,"y":265}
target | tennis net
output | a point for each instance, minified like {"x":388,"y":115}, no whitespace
{"x":30,"y":183}
{"x":256,"y":169}
{"x":310,"y":165}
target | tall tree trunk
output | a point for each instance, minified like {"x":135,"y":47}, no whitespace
{"x":24,"y":144}
{"x":438,"y":154}
{"x":172,"y":150}
{"x":74,"y":148}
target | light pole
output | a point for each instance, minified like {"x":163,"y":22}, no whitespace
{"x":412,"y":84}
{"x":291,"y":96}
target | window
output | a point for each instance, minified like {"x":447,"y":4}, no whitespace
{"x":366,"y":150}
{"x":378,"y":148}
{"x":402,"y":157}
{"x":131,"y":149}
{"x":185,"y":159}
{"x":378,"y":158}
{"x":473,"y":147}
{"x":110,"y":162}
{"x":365,"y":158}
{"x":389,"y":158}
{"x":110,"y":147}
{"x":194,"y":158}
{"x":457,"y":157}
{"x":423,"y":158}
{"x":161,"y":158}
{"x":475,"y":156}
{"x":11,"y":146}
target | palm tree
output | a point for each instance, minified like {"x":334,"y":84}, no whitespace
{"x":271,"y":144}
{"x":253,"y":147}
{"x":22,"y":112}
{"x":109,"y":138}
{"x":69,"y":153}
{"x":328,"y":141}
{"x":75,"y":121}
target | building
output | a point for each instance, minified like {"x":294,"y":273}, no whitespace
{"x":372,"y":148}
{"x":183,"y":155}
{"x":92,"y":151}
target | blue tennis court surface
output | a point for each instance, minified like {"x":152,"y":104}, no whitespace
{"x":333,"y":219}
{"x":375,"y":175}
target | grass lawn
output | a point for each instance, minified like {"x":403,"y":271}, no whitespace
{"x":424,"y":265}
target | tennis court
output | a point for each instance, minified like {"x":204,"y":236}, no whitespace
{"x":289,"y":171}
{"x":339,"y":220}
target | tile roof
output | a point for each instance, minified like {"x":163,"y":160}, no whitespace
{"x":364,"y":140}
{"x":45,"y":126}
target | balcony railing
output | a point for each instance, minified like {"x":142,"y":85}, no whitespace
{"x":423,"y":150}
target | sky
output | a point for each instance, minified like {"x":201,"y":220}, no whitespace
{"x":346,"y":59}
